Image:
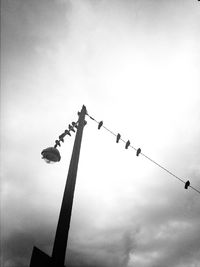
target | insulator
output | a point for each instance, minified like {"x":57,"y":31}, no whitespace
{"x":127,"y":144}
{"x":118,"y":138}
{"x":100,"y":125}
{"x":138,"y":152}
{"x":187,"y":184}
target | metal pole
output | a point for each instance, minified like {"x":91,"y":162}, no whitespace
{"x":61,"y":238}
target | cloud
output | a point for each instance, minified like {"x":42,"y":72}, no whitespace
{"x":106,"y":247}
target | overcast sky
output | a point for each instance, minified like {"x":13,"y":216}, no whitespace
{"x":135,"y":65}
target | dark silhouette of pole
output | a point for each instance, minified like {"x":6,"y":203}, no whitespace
{"x":40,"y":258}
{"x":61,"y":238}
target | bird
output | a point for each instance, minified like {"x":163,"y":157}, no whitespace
{"x":61,"y":137}
{"x":138,"y":152}
{"x":118,"y":138}
{"x":74,"y":124}
{"x":57,"y":143}
{"x":187,"y":184}
{"x":127,"y":144}
{"x":100,"y":125}
{"x":67,"y":132}
{"x":71,"y":128}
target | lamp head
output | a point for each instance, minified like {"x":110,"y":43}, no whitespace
{"x":51,"y":155}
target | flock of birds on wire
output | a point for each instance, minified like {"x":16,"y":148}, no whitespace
{"x":74,"y":125}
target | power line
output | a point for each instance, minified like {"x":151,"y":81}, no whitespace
{"x":118,"y":136}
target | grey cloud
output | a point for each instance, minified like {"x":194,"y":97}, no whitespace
{"x":25,"y":23}
{"x":169,"y":234}
{"x":17,"y":248}
{"x":109,"y":247}
{"x":106,"y":248}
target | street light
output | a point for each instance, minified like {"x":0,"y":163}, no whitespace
{"x":51,"y":155}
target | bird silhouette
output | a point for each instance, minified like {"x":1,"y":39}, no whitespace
{"x":118,"y":138}
{"x":138,"y":152}
{"x":74,"y":124}
{"x":127,"y":144}
{"x":61,"y":137}
{"x":57,"y":143}
{"x":71,"y":128}
{"x":100,"y":125}
{"x":67,"y":132}
{"x":187,"y":184}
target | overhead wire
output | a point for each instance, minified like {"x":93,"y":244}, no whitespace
{"x":187,"y":183}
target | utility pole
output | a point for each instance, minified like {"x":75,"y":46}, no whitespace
{"x":57,"y":259}
{"x":62,"y":231}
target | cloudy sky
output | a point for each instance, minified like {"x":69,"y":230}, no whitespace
{"x":135,"y":65}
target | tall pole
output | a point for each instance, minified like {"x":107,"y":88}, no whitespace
{"x":61,"y":238}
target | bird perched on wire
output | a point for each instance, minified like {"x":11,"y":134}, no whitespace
{"x":118,"y":138}
{"x":187,"y":184}
{"x":67,"y":132}
{"x":127,"y":144}
{"x":74,"y":124}
{"x":71,"y":128}
{"x":100,"y":125}
{"x":61,"y":137}
{"x":57,"y":143}
{"x":138,"y":152}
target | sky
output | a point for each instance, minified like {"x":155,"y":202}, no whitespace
{"x":135,"y":65}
